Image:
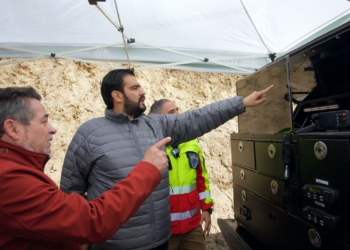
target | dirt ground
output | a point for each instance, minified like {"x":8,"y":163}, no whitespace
{"x":71,"y":95}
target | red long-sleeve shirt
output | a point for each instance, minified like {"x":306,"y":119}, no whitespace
{"x":35,"y":214}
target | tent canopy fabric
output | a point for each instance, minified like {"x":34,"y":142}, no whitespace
{"x":224,"y":36}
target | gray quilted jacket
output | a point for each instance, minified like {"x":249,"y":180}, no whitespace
{"x":104,"y":150}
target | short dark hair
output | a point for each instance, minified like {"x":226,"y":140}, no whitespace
{"x":114,"y":80}
{"x":156,"y":107}
{"x":14,"y":104}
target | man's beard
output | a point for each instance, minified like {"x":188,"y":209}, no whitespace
{"x":49,"y":154}
{"x":132,"y":108}
{"x":30,"y":148}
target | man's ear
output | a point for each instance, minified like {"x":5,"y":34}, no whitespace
{"x":117,"y":96}
{"x":12,"y":129}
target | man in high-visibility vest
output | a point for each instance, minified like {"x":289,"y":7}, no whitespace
{"x":190,"y":200}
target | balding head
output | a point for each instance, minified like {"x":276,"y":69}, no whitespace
{"x":164,"y":106}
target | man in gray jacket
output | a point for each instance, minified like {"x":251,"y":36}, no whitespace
{"x":104,"y":150}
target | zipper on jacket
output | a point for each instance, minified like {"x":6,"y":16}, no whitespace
{"x":136,"y":141}
{"x":153,"y":222}
{"x":151,"y":195}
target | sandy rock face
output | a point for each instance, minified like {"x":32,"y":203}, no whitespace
{"x":71,"y":95}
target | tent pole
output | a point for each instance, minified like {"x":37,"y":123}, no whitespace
{"x":257,"y":31}
{"x":119,"y":28}
{"x":122,"y":31}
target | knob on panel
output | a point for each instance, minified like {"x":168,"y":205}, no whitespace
{"x":314,"y":238}
{"x":272,"y":151}
{"x":240,"y":146}
{"x":320,"y":150}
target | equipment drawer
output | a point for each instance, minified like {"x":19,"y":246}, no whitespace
{"x":325,"y":162}
{"x":243,"y":153}
{"x":269,"y":158}
{"x":265,"y":186}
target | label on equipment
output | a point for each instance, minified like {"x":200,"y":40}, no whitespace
{"x":321,"y":108}
{"x":320,"y":204}
{"x":322,"y":182}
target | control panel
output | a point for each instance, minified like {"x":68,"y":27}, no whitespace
{"x":332,"y":120}
{"x":321,"y":217}
{"x":321,"y":193}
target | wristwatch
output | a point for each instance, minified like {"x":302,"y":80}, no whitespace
{"x":209,"y":210}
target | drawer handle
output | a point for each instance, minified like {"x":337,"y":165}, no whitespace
{"x":274,"y":187}
{"x":320,"y":150}
{"x":240,"y":146}
{"x":244,"y":195}
{"x":242,"y":174}
{"x":272,"y":151}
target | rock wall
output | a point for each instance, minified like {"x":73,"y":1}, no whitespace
{"x":71,"y":95}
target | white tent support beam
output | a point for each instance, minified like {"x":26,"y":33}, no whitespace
{"x":122,"y":32}
{"x":256,"y":30}
{"x":165,"y":65}
{"x":172,"y":51}
{"x":108,"y":18}
{"x":120,"y":28}
{"x":87,"y":49}
{"x":190,"y":62}
{"x":195,"y":57}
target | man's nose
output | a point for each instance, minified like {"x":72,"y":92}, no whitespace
{"x":142,"y":92}
{"x":52,"y":129}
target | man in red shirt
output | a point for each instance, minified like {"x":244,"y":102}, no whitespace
{"x":34,"y":213}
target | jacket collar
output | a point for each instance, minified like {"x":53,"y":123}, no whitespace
{"x":22,"y":156}
{"x":119,"y":117}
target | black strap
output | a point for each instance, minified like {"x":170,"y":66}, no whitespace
{"x":170,"y":167}
{"x":286,"y":176}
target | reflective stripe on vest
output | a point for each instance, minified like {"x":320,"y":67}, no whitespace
{"x":203,"y":195}
{"x":184,"y":215}
{"x":183,"y":190}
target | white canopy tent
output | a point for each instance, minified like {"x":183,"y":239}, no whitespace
{"x":223,"y":36}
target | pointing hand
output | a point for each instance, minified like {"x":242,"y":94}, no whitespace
{"x":256,"y":98}
{"x":156,"y":155}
